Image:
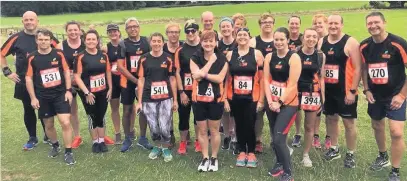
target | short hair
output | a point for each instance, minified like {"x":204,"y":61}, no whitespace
{"x":293,"y":16}
{"x":317,"y":16}
{"x":208,"y":34}
{"x":44,"y":32}
{"x":157,"y":34}
{"x":309,"y":29}
{"x":335,"y":14}
{"x":376,"y":13}
{"x":239,"y":16}
{"x":91,"y":32}
{"x":265,"y":16}
{"x":283,"y":30}
{"x":72,"y":23}
{"x":172,"y":24}
{"x":131,"y":19}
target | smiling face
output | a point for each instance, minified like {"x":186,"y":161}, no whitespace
{"x":310,"y":38}
{"x":335,"y":25}
{"x":133,"y":28}
{"x":43,"y":41}
{"x":207,"y":19}
{"x":192,"y":34}
{"x":173,"y":34}
{"x":73,"y":31}
{"x":294,"y":25}
{"x":30,"y":21}
{"x":267,"y":25}
{"x":319,"y":25}
{"x":156,"y":43}
{"x":113,"y":34}
{"x":242,"y":38}
{"x":375,"y":25}
{"x":226,"y":28}
{"x":208,"y":41}
{"x":91,"y":41}
{"x":280,"y":40}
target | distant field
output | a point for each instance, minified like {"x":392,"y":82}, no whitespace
{"x":135,"y":165}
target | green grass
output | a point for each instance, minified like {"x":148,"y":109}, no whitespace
{"x":135,"y":165}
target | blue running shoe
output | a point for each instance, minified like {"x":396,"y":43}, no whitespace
{"x":143,"y":143}
{"x":31,"y":143}
{"x":127,"y":144}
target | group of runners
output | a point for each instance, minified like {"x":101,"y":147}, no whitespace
{"x":226,"y":77}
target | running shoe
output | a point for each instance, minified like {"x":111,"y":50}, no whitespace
{"x":143,"y":143}
{"x":46,"y":140}
{"x":332,"y":154}
{"x":69,"y":160}
{"x":182,"y":150}
{"x":108,"y":140}
{"x":213,"y":165}
{"x":251,"y":161}
{"x":226,"y":143}
{"x":259,"y":147}
{"x":241,"y":160}
{"x":132,"y":135}
{"x":77,"y":141}
{"x":296,"y":141}
{"x":393,"y":176}
{"x":31,"y":143}
{"x":155,"y":152}
{"x":127,"y":144}
{"x":316,"y":143}
{"x":277,"y":170}
{"x":328,"y":143}
{"x":349,"y":161}
{"x":103,"y":147}
{"x":234,"y":147}
{"x":306,"y":161}
{"x":203,"y":166}
{"x":118,"y":139}
{"x":290,"y":150}
{"x":96,"y":148}
{"x":172,"y":140}
{"x":380,"y":163}
{"x":167,"y":154}
{"x":286,"y":177}
{"x":197,"y":146}
{"x":54,"y":152}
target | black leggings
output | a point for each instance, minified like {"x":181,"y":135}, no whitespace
{"x":244,"y":112}
{"x":30,"y":120}
{"x":184,"y":113}
{"x":280,"y":124}
{"x":96,"y":112}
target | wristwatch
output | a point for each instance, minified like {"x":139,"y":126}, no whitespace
{"x":353,"y":91}
{"x":86,"y":94}
{"x":6,"y":71}
{"x":281,"y":102}
{"x":69,"y":90}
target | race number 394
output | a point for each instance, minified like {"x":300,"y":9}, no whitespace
{"x":50,"y":77}
{"x":379,"y":73}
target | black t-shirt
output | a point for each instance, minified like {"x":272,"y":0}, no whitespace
{"x":293,"y":44}
{"x":166,"y":50}
{"x":71,"y":53}
{"x":182,"y":59}
{"x":264,"y":47}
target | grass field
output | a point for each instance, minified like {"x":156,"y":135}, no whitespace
{"x":135,"y":165}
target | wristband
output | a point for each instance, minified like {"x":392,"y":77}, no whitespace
{"x":180,"y":91}
{"x":69,"y":90}
{"x":353,"y":91}
{"x":7,"y":71}
{"x":402,"y":96}
{"x":86,"y":94}
{"x":281,"y":102}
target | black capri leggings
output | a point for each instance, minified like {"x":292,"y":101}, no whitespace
{"x":244,"y":112}
{"x":184,"y":112}
{"x":96,"y":112}
{"x":280,"y":124}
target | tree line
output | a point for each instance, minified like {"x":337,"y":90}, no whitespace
{"x":17,"y":8}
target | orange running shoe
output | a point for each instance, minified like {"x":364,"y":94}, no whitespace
{"x":241,"y":159}
{"x":251,"y":161}
{"x":259,"y":147}
{"x":108,"y":140}
{"x":197,"y":146}
{"x":182,"y":150}
{"x":77,"y":141}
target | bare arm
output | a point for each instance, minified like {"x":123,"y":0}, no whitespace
{"x":294,"y":75}
{"x":122,"y":68}
{"x":260,"y":62}
{"x":252,"y":42}
{"x":218,"y":78}
{"x":266,"y":77}
{"x":322,"y":79}
{"x":140,"y":89}
{"x":354,"y":54}
{"x":173,"y":82}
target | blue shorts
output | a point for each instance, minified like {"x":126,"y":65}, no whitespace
{"x":381,"y":109}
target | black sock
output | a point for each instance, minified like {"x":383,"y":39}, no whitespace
{"x":327,"y":136}
{"x":68,"y":150}
{"x":56,"y":144}
{"x":316,"y":135}
{"x":395,"y":170}
{"x":383,"y":154}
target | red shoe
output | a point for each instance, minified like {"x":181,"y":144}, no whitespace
{"x":328,"y":143}
{"x":182,"y":150}
{"x":197,"y":146}
{"x":316,"y":143}
{"x":77,"y":141}
{"x":259,"y":147}
{"x":108,"y":140}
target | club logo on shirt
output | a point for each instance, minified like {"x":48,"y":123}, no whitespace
{"x":226,"y":50}
{"x":75,"y":53}
{"x":279,"y":66}
{"x":386,"y":55}
{"x":331,"y":51}
{"x":139,"y":52}
{"x":269,"y":49}
{"x":54,"y":62}
{"x":102,"y":60}
{"x":115,"y":52}
{"x":164,"y":64}
{"x":307,"y":62}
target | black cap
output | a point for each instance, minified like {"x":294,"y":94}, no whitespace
{"x":112,"y":27}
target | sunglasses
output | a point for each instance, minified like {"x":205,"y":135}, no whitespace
{"x":190,"y":31}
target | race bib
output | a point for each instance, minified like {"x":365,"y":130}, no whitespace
{"x":133,"y":62}
{"x":50,"y":77}
{"x":242,"y":84}
{"x":310,"y":102}
{"x":378,"y":73}
{"x":97,"y":83}
{"x":331,"y":74}
{"x":187,"y":82}
{"x":208,"y":97}
{"x":277,"y":90}
{"x":114,"y":68}
{"x":159,"y":90}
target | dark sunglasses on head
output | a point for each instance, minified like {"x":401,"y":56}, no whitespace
{"x":190,"y":31}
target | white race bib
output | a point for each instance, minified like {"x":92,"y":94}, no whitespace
{"x":208,"y":97}
{"x":331,"y":74}
{"x":277,"y":90}
{"x":133,"y":62}
{"x":379,"y":73}
{"x":159,"y":90}
{"x":310,"y":102}
{"x":97,"y":83}
{"x":50,"y":77}
{"x":187,"y":82}
{"x":114,"y":68}
{"x":243,"y":84}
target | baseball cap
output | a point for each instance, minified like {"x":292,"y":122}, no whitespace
{"x":112,"y":27}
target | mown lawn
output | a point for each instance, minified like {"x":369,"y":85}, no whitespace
{"x":135,"y":165}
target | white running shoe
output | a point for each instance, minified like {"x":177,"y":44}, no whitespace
{"x":290,"y":149}
{"x":213,"y":165}
{"x":203,"y":166}
{"x":306,"y":161}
